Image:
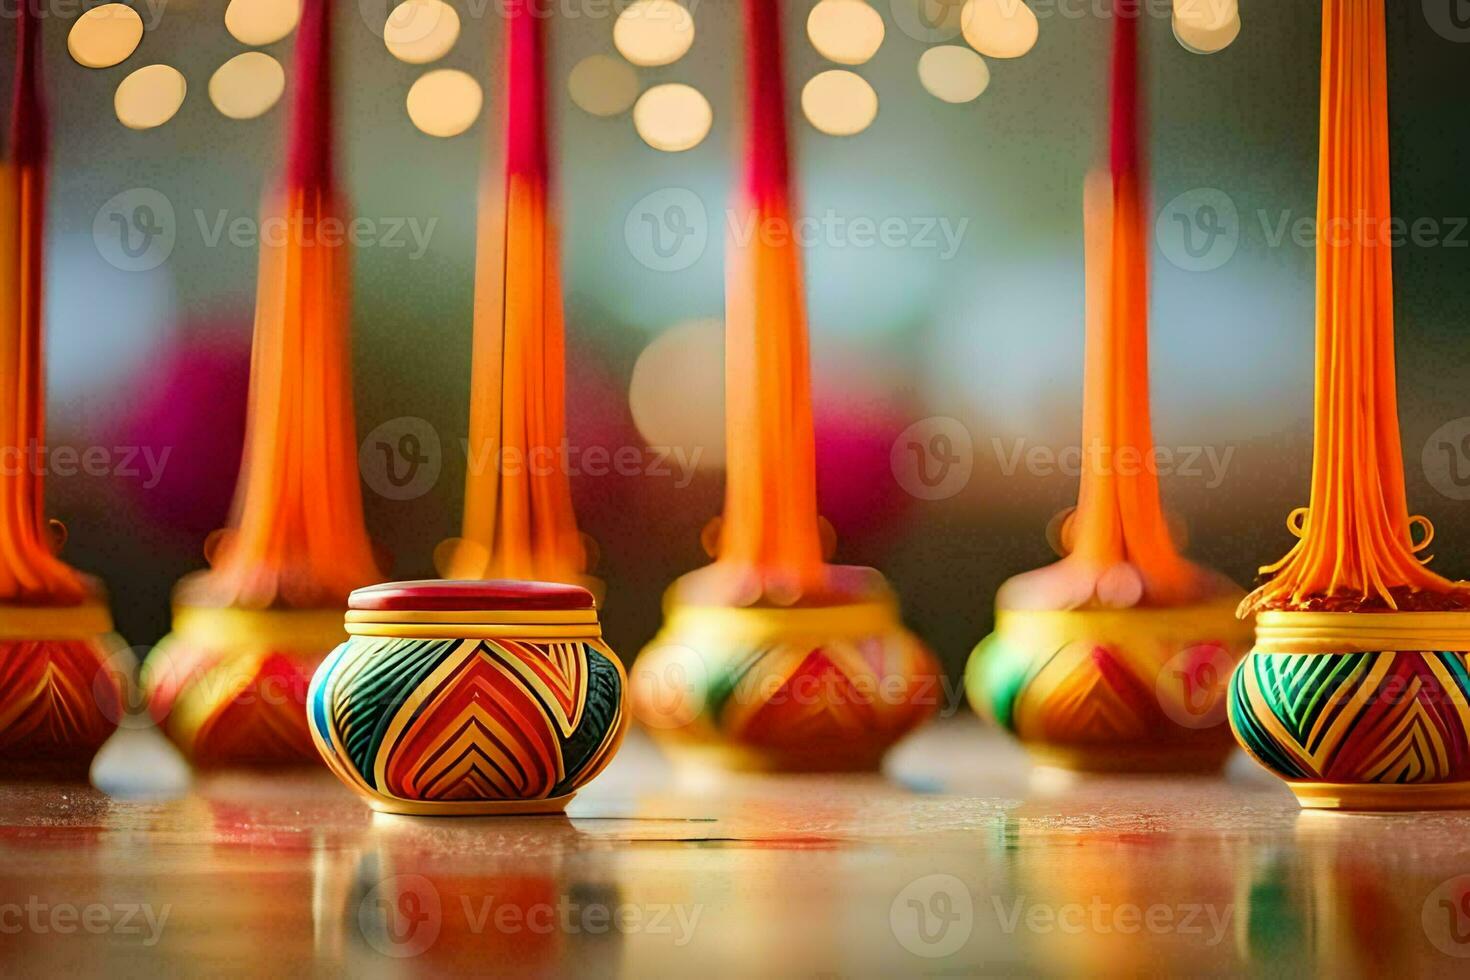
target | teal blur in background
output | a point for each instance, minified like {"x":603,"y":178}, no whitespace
{"x":990,"y":336}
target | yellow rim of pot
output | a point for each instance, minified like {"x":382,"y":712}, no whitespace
{"x":1066,"y":624}
{"x":757,"y":623}
{"x":284,"y":629}
{"x":54,"y":622}
{"x":1362,"y":632}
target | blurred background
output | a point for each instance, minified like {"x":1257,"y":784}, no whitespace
{"x":944,"y":281}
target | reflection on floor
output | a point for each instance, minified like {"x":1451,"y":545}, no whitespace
{"x":960,"y":861}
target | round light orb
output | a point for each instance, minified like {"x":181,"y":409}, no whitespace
{"x":653,"y":32}
{"x":105,"y":36}
{"x":1207,"y":14}
{"x":149,"y":97}
{"x":1206,"y":26}
{"x":673,"y":117}
{"x":677,"y":392}
{"x":421,"y":31}
{"x":839,"y":103}
{"x":603,"y":86}
{"x":247,"y":85}
{"x":260,"y":22}
{"x":445,"y":102}
{"x":848,"y":32}
{"x":999,"y":28}
{"x":952,"y":73}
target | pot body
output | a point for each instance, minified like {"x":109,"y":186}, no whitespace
{"x":1359,"y":711}
{"x":800,"y":689}
{"x":65,"y":688}
{"x":472,"y":711}
{"x":1128,"y":690}
{"x":228,"y":686}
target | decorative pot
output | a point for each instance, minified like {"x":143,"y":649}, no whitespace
{"x":1359,"y":710}
{"x":795,"y":689}
{"x":469,"y":697}
{"x":228,"y":686}
{"x":64,"y":680}
{"x":1113,"y":690}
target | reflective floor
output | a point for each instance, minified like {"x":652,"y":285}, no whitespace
{"x":961,"y":862}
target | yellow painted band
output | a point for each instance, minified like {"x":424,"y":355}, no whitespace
{"x":483,"y":617}
{"x":471,"y":631}
{"x":54,"y":622}
{"x":1349,"y":632}
{"x":243,"y":630}
{"x":1382,"y":796}
{"x":1062,"y":625}
{"x":759,"y":623}
{"x":391,"y":806}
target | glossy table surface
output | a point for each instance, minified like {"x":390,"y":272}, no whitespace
{"x":961,"y":861}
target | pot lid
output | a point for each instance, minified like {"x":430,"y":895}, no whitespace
{"x":465,"y":595}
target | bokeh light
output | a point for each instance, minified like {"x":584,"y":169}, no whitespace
{"x":603,"y":86}
{"x":445,"y":103}
{"x":999,"y":28}
{"x":421,"y":31}
{"x":105,"y":36}
{"x":953,"y":73}
{"x":150,"y":96}
{"x":247,"y":85}
{"x":839,"y":103}
{"x":673,"y":117}
{"x":677,"y":392}
{"x":1206,"y":26}
{"x":206,"y":363}
{"x":258,"y":22}
{"x":848,"y":32}
{"x":654,"y":32}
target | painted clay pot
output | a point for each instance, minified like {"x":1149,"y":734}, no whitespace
{"x":1359,"y":710}
{"x":64,"y":679}
{"x":469,"y":697}
{"x":1127,"y":690}
{"x":228,"y":686}
{"x":807,"y":688}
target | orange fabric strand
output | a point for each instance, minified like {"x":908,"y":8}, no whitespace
{"x":1120,"y":553}
{"x":1119,"y":518}
{"x":30,"y":572}
{"x":1355,"y":535}
{"x":770,"y":531}
{"x":518,"y":520}
{"x":770,"y":522}
{"x":297,"y":537}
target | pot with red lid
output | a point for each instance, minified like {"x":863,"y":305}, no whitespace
{"x":469,"y":697}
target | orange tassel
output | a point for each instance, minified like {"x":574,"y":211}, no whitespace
{"x":1356,"y":543}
